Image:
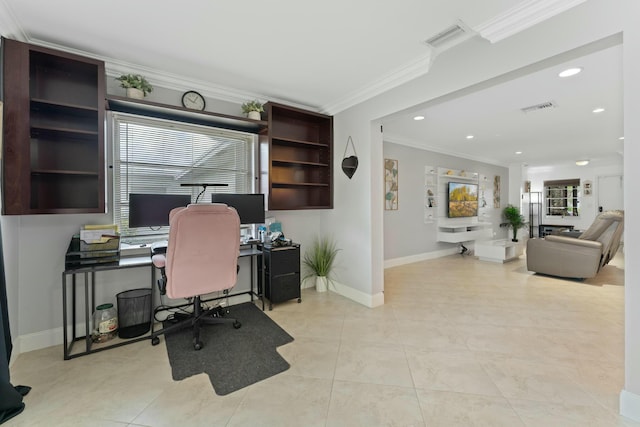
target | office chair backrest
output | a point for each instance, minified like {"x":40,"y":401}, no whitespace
{"x":202,"y":254}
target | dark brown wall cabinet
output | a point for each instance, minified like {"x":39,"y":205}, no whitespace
{"x":296,"y":159}
{"x":53,"y":134}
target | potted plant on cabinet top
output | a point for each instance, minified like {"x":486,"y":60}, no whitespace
{"x":136,"y":85}
{"x":319,"y":261}
{"x":513,"y":220}
{"x":253,"y":109}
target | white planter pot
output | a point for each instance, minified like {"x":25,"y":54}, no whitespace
{"x":135,"y":93}
{"x":254,"y":115}
{"x":321,"y":284}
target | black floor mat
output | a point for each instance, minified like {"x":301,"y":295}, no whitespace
{"x":233,"y":358}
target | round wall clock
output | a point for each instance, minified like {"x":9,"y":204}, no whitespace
{"x":193,"y":100}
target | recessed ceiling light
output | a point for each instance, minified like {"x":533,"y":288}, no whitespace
{"x":518,"y":152}
{"x":469,"y":136}
{"x":418,"y":118}
{"x":582,"y":162}
{"x":621,"y":138}
{"x":570,"y":72}
{"x":598,"y":110}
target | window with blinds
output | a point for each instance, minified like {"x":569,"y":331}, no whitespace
{"x":561,"y":197}
{"x":154,"y":156}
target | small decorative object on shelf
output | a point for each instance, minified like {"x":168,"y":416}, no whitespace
{"x":253,"y":109}
{"x":136,"y":85}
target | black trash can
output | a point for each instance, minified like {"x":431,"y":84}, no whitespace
{"x":134,"y":312}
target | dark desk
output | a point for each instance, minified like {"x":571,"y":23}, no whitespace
{"x":89,"y":273}
{"x":544,"y":229}
{"x":70,"y":332}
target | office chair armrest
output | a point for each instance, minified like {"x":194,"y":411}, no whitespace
{"x":159,"y":260}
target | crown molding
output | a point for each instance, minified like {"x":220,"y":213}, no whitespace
{"x":9,"y":26}
{"x":115,"y":68}
{"x":395,"y":139}
{"x":408,"y":72}
{"x":521,"y":17}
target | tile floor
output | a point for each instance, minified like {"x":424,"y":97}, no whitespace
{"x":459,"y":342}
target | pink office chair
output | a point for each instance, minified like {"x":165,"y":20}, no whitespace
{"x":201,"y":258}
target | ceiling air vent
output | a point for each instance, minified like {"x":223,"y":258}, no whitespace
{"x":539,"y":107}
{"x":452,"y":35}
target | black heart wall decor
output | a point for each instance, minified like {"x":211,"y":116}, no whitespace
{"x":350,"y":164}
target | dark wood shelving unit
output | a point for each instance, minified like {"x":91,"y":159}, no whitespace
{"x":53,"y":148}
{"x":297,"y":165}
{"x":170,"y":112}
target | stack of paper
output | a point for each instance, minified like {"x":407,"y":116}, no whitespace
{"x":98,"y":233}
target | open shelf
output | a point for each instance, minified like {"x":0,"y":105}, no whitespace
{"x":181,"y":114}
{"x":296,"y":159}
{"x":54,"y":131}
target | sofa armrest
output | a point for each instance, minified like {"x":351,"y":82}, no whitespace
{"x":573,"y":241}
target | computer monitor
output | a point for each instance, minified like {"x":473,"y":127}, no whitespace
{"x":250,"y":207}
{"x":152,"y":210}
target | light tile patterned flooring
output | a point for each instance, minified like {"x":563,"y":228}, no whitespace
{"x":459,"y":342}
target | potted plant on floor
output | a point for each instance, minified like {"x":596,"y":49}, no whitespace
{"x":136,"y":85}
{"x":319,"y":260}
{"x":253,"y":109}
{"x":514,"y":220}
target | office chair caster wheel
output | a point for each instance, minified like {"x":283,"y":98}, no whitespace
{"x":197,"y":345}
{"x":155,"y":341}
{"x":237,"y":324}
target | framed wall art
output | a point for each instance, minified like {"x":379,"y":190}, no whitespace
{"x":390,"y":184}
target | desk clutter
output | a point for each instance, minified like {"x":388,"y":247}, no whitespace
{"x":94,"y":244}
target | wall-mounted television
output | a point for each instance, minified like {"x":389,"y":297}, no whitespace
{"x":250,"y":207}
{"x":462,"y":200}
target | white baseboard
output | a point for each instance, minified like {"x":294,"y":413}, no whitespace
{"x":360,"y":297}
{"x":630,"y":405}
{"x":395,"y":262}
{"x":16,"y":350}
{"x":39,"y":340}
{"x":348,"y":292}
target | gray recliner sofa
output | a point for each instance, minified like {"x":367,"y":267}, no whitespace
{"x":578,"y":257}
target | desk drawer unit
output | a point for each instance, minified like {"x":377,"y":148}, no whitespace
{"x":281,"y":274}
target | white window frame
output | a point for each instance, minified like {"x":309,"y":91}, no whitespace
{"x":562,"y":198}
{"x":241,"y":180}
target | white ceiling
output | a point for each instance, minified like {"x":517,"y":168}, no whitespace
{"x":560,"y":135}
{"x":332,"y":54}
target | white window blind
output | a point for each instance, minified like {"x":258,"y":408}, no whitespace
{"x":155,"y":156}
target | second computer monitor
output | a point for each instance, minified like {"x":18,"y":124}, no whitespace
{"x":250,"y":207}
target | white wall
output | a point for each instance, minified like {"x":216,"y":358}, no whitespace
{"x":630,"y":397}
{"x":405,"y":233}
{"x":588,"y":204}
